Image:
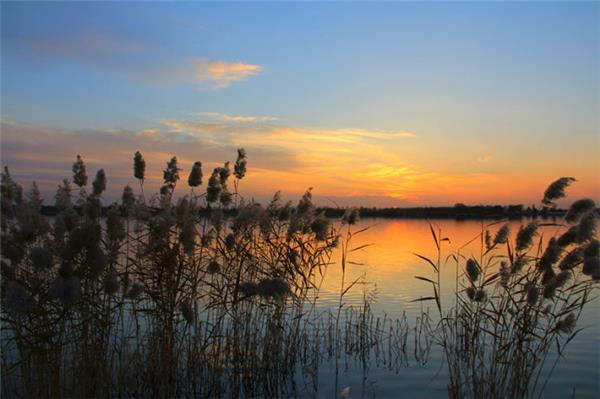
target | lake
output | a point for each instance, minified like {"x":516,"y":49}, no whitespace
{"x":383,"y":264}
{"x":389,"y":268}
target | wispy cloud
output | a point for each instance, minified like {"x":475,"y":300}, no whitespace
{"x":142,"y":60}
{"x":363,"y":166}
{"x":100,"y":49}
{"x":237,"y":118}
{"x":220,"y":74}
{"x":223,"y":131}
{"x":46,"y":154}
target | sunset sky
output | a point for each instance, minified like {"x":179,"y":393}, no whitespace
{"x":388,"y":104}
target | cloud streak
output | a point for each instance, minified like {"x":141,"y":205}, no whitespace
{"x":237,"y":118}
{"x":352,"y":166}
{"x":220,"y":74}
{"x":144,"y":61}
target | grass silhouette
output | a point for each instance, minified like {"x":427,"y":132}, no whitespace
{"x":159,"y":299}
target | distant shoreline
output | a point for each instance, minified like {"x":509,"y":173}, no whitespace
{"x":457,"y":212}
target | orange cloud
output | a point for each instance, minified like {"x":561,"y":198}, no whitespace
{"x":348,"y":166}
{"x":220,"y":74}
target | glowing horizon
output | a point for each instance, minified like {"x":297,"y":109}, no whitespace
{"x":370,"y":104}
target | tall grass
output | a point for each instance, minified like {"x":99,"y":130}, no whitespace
{"x":517,"y":302}
{"x":208,"y":294}
{"x":155,"y":300}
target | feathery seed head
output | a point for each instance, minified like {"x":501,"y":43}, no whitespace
{"x":305,"y":204}
{"x":248,"y":289}
{"x":239,"y":169}
{"x":571,"y":259}
{"x":79,"y":174}
{"x":586,"y":230}
{"x":591,"y":261}
{"x":471,"y":291}
{"x":592,"y":249}
{"x":99,"y":183}
{"x":548,"y":275}
{"x":171,"y":173}
{"x":275,"y":288}
{"x":472,"y":270}
{"x":488,"y":240}
{"x":195,"y":177}
{"x":525,"y":236}
{"x":213,"y":267}
{"x":568,"y":237}
{"x":566,"y":325}
{"x":213,"y":191}
{"x":556,"y":282}
{"x":504,"y":274}
{"x":502,"y":235}
{"x":224,"y":174}
{"x":556,"y":190}
{"x":551,"y":254}
{"x":591,"y":267}
{"x":351,"y":216}
{"x":480,"y":296}
{"x":229,"y":241}
{"x":320,"y":226}
{"x":139,"y":166}
{"x":285,"y":212}
{"x":578,"y":209}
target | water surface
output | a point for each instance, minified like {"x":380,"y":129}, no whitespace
{"x":388,"y":267}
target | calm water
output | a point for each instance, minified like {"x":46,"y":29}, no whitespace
{"x":389,"y":268}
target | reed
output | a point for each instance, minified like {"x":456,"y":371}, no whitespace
{"x":154,"y":300}
{"x":208,"y":294}
{"x":516,"y":303}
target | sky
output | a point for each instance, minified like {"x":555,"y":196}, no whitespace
{"x":375,"y":104}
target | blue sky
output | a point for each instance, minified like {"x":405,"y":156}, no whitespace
{"x":487,"y":82}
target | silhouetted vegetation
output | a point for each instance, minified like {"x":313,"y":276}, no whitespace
{"x":213,"y":295}
{"x":158,"y":299}
{"x":516,"y":302}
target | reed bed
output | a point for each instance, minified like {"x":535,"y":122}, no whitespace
{"x":154,"y":300}
{"x":210,"y":295}
{"x":517,"y":302}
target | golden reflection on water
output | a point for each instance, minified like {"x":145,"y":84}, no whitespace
{"x":388,"y":266}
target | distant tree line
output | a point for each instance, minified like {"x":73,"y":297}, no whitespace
{"x":458,"y":211}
